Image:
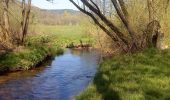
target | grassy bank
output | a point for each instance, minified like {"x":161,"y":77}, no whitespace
{"x":141,"y":76}
{"x":36,"y":50}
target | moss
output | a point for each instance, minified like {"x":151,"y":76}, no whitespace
{"x":140,"y":76}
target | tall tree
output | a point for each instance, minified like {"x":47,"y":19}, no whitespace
{"x":130,"y":42}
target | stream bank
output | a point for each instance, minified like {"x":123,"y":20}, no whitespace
{"x":35,"y":51}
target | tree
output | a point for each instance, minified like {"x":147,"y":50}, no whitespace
{"x":130,"y":42}
{"x":5,"y":31}
{"x":9,"y":37}
{"x":26,"y":8}
{"x":6,"y":19}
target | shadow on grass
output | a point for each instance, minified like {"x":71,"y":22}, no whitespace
{"x":103,"y":87}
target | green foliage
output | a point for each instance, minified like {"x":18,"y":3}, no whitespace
{"x":141,"y":76}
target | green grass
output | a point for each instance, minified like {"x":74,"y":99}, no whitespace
{"x":36,"y":49}
{"x":65,"y":34}
{"x":141,"y":76}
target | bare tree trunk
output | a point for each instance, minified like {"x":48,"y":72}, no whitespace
{"x":123,"y":14}
{"x":26,"y":8}
{"x":6,"y":19}
{"x":151,"y":10}
{"x":6,"y":40}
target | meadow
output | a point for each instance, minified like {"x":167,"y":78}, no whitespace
{"x":64,"y":34}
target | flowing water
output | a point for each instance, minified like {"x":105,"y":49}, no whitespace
{"x":61,"y":79}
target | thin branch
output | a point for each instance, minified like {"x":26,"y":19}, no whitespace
{"x":95,"y":4}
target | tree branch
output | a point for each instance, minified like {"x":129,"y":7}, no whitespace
{"x":120,"y":35}
{"x":95,"y":20}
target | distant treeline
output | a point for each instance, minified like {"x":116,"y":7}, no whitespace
{"x":57,"y":17}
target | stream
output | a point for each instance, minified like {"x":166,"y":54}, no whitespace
{"x":59,"y":79}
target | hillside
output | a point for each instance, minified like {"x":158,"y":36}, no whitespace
{"x":57,"y":17}
{"x":61,"y":11}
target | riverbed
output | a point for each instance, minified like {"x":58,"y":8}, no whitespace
{"x":61,"y":78}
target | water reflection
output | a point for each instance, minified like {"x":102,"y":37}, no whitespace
{"x":67,"y":75}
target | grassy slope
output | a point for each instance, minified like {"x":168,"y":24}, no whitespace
{"x":141,"y":76}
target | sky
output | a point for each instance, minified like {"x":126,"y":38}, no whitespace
{"x":57,"y":4}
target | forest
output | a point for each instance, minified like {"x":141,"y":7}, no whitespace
{"x":102,"y":50}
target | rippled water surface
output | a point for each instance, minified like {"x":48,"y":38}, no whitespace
{"x":62,"y":79}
